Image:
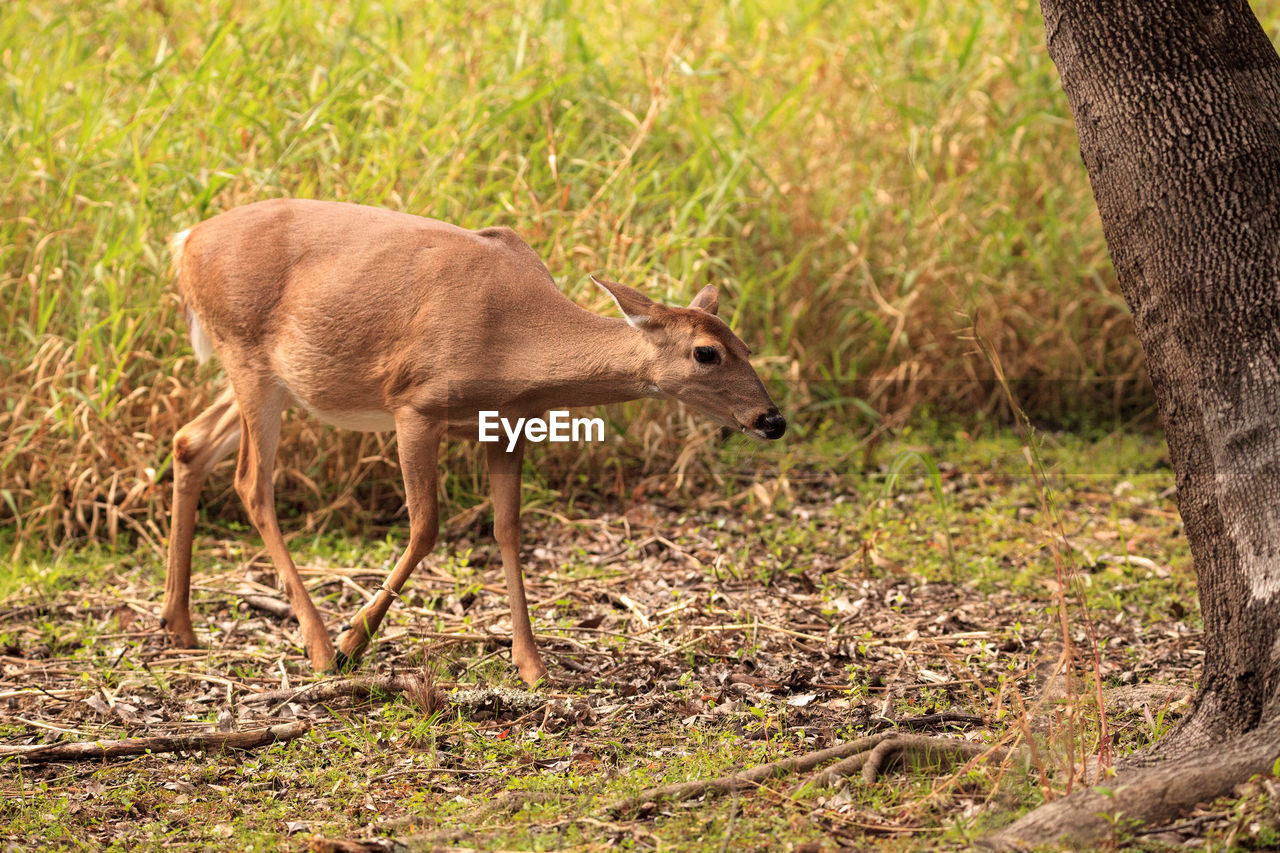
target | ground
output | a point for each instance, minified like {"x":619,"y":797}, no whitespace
{"x":689,"y":633}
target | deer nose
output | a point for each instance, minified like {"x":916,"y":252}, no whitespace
{"x":772,"y":424}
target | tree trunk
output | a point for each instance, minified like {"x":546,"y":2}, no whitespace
{"x":1177,"y":107}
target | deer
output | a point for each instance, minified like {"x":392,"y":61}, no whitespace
{"x":371,"y":319}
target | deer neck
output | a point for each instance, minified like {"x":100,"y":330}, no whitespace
{"x":583,"y":359}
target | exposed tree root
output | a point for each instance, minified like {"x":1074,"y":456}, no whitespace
{"x":872,"y":755}
{"x":745,"y":778}
{"x":102,"y":749}
{"x":422,"y":690}
{"x":919,"y":750}
{"x":1147,"y":796}
{"x":1199,"y":729}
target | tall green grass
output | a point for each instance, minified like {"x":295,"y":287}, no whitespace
{"x":866,"y":183}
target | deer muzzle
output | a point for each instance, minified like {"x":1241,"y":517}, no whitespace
{"x":771,"y":424}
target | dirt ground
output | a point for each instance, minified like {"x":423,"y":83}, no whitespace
{"x":686,"y":640}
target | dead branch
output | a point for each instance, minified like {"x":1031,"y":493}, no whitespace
{"x":423,"y":691}
{"x":499,"y":697}
{"x":282,"y":610}
{"x":328,"y":690}
{"x":206,"y":742}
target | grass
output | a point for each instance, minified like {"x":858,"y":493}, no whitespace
{"x":868,"y":188}
{"x":874,"y":190}
{"x":389,"y":759}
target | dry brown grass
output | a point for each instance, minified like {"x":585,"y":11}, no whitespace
{"x":871,"y":190}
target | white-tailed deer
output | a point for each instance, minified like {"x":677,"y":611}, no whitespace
{"x":374,"y":320}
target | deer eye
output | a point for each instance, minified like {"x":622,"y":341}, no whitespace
{"x":705,"y":355}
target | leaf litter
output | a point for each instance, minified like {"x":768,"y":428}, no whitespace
{"x":778,"y":630}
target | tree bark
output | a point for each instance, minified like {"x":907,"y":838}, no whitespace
{"x":1177,"y":108}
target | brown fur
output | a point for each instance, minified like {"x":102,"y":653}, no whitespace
{"x":370,"y":318}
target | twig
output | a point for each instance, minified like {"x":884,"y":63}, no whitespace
{"x":278,"y":608}
{"x":359,"y":687}
{"x":102,"y":749}
{"x":424,"y":691}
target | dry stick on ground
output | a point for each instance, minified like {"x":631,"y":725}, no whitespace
{"x":423,"y":691}
{"x":208,"y":742}
{"x":282,"y":610}
{"x":359,"y":687}
{"x":922,"y":750}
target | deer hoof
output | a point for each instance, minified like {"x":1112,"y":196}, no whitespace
{"x":339,"y":664}
{"x":534,"y":673}
{"x":182,"y":638}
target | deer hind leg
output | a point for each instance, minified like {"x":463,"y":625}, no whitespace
{"x":197,"y":447}
{"x":504,"y":485}
{"x":419,"y":448}
{"x":261,"y":402}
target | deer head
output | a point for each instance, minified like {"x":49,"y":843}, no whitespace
{"x":694,"y":357}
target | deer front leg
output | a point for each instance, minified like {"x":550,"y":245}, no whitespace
{"x":419,"y":448}
{"x":504,"y":486}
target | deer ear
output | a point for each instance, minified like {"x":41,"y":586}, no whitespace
{"x":634,"y":305}
{"x":706,"y":300}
